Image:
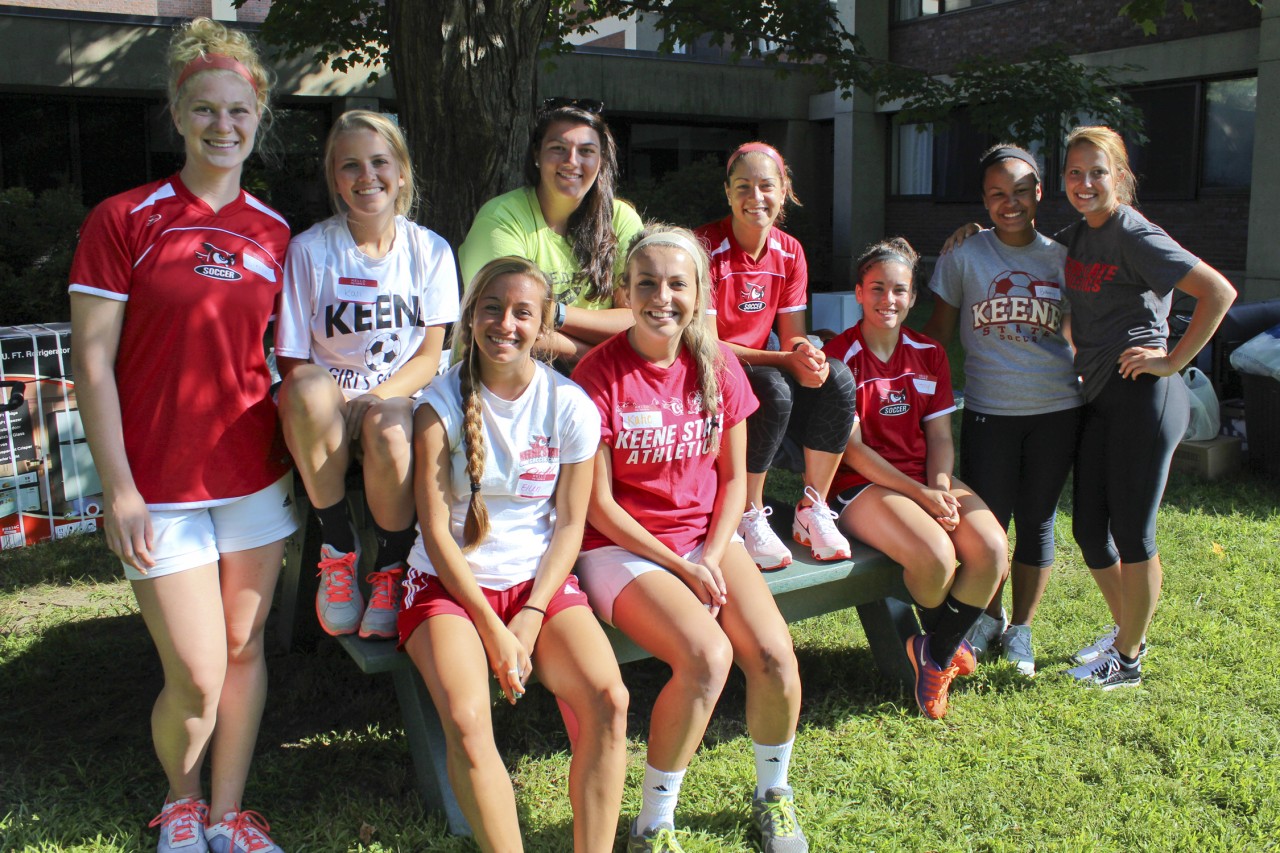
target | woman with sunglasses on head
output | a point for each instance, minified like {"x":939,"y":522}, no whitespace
{"x":171,"y":289}
{"x":503,"y":457}
{"x":1003,"y":290}
{"x":1121,"y":272}
{"x":567,"y":221}
{"x":367,"y":296}
{"x":761,"y":279}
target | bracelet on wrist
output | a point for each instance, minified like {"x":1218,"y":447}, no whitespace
{"x":562,"y":313}
{"x":535,"y":610}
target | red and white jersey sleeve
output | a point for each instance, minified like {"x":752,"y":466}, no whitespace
{"x":658,"y":437}
{"x":748,"y":294}
{"x":199,"y":423}
{"x":895,"y":398}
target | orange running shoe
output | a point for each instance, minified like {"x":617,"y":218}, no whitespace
{"x":933,"y":683}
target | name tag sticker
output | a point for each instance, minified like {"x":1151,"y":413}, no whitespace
{"x":361,"y":290}
{"x":642,"y":420}
{"x":537,"y":483}
{"x":1044,"y":291}
{"x":925,"y":386}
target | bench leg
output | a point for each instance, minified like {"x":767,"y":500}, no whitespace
{"x":427,"y":747}
{"x":291,"y":573}
{"x":888,"y":623}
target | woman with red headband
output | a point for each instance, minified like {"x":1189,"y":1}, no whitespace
{"x":186,"y":442}
{"x":760,"y":279}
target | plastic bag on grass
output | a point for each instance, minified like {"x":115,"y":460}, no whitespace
{"x":1206,"y":419}
{"x":1259,"y":355}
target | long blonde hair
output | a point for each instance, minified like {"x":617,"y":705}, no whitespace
{"x":202,"y":37}
{"x":697,"y":339}
{"x":467,"y":356}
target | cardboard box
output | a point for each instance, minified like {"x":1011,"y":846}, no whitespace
{"x":1217,"y":457}
{"x":49,"y":487}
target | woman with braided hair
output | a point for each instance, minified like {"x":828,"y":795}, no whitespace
{"x":503,"y":455}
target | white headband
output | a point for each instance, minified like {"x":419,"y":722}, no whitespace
{"x":669,"y":238}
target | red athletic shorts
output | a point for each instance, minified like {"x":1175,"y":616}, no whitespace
{"x":425,"y":596}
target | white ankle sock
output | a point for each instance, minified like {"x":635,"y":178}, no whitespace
{"x":772,"y":763}
{"x":661,"y":790}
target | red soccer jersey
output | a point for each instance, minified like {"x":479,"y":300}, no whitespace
{"x":651,"y":419}
{"x":748,"y":294}
{"x":895,"y":399}
{"x":199,"y":422}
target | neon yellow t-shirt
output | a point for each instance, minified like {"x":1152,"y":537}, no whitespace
{"x":512,"y":224}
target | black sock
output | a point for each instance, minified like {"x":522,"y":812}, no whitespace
{"x":929,"y":617}
{"x":335,"y":527}
{"x":393,"y":545}
{"x":1126,"y":661}
{"x":954,"y":619}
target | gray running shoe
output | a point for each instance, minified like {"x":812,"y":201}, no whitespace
{"x":1106,"y":671}
{"x":339,"y":604}
{"x":1090,"y":652}
{"x":384,"y":603}
{"x":1016,"y":641}
{"x":774,"y":815}
{"x":983,"y":633}
{"x":181,"y":825}
{"x":241,"y":832}
{"x":659,"y":839}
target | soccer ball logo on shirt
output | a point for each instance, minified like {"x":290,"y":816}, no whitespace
{"x":753,"y":298}
{"x":382,"y":351}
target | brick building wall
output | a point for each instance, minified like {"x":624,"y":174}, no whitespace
{"x":1009,"y":31}
{"x":1214,"y":227}
{"x":146,"y":8}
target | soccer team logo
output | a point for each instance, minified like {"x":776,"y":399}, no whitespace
{"x":752,"y":298}
{"x":382,"y":351}
{"x":217,"y":263}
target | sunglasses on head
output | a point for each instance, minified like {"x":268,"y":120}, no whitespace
{"x":590,"y":105}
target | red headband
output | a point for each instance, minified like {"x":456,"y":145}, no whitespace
{"x":756,"y":147}
{"x":212,"y":61}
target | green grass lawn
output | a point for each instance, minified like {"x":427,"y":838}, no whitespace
{"x":1188,"y":761}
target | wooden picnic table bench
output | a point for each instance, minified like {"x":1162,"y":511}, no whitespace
{"x":869,"y":582}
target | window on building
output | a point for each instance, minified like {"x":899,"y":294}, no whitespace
{"x":912,"y":154}
{"x":1165,"y":164}
{"x":905,"y":10}
{"x":1227,"y":153}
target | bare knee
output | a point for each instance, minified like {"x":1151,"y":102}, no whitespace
{"x":773,"y":658}
{"x":469,"y":734}
{"x":386,"y":433}
{"x":308,"y":397}
{"x":704,"y":667}
{"x":929,"y":574}
{"x":245,"y":645}
{"x":607,"y":709}
{"x":196,"y":688}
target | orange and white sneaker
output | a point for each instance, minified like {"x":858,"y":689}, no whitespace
{"x":933,"y":683}
{"x":241,"y":832}
{"x":181,"y":825}
{"x":815,"y":526}
{"x":764,"y":546}
{"x":384,"y":603}
{"x":339,"y":604}
{"x":964,"y":660}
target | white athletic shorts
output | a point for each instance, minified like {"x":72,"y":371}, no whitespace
{"x":604,"y":572}
{"x":188,"y":538}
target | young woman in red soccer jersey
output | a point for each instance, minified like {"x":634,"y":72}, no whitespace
{"x":660,"y":559}
{"x":367,"y":295}
{"x":171,"y":289}
{"x":895,"y":486}
{"x":503,"y":458}
{"x":1121,"y":272}
{"x":760,"y":279}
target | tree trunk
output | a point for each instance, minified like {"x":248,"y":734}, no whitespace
{"x":465,"y":75}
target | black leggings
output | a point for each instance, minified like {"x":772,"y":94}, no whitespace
{"x":1018,"y":464}
{"x":1122,"y":464}
{"x":817,"y":418}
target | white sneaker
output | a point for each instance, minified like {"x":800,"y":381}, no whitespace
{"x":762,"y":543}
{"x":1016,"y":641}
{"x":181,"y":825}
{"x":1090,"y":652}
{"x":815,"y":526}
{"x":983,"y":633}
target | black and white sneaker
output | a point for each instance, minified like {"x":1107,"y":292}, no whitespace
{"x":1108,"y":672}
